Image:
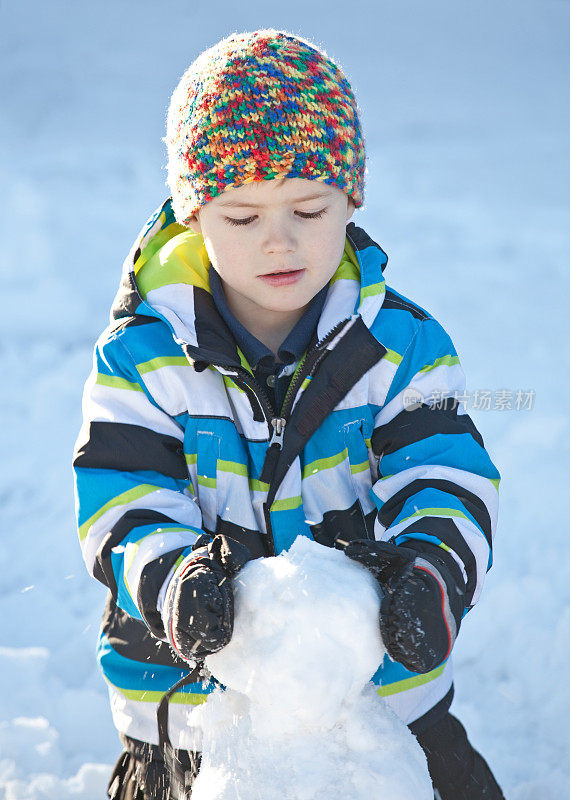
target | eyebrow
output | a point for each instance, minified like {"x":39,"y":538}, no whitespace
{"x":238,"y":203}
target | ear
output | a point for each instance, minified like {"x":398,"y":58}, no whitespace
{"x":350,"y":208}
{"x":194,"y":223}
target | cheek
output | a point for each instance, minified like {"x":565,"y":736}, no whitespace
{"x":226,"y":260}
{"x":327,"y":252}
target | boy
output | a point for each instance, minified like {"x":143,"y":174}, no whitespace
{"x":259,"y":381}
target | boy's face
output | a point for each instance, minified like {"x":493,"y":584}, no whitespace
{"x":274,"y":244}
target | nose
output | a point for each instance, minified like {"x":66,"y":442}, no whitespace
{"x":279,"y":237}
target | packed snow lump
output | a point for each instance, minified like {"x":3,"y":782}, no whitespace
{"x":298,"y":718}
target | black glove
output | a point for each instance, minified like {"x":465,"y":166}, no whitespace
{"x":198,"y":612}
{"x":422,"y":603}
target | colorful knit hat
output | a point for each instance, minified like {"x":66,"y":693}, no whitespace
{"x":258,"y":106}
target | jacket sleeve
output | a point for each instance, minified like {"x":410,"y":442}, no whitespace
{"x":436,"y":487}
{"x":136,"y":510}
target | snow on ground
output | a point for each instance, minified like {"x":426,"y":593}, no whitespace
{"x":467,"y":191}
{"x":306,"y":622}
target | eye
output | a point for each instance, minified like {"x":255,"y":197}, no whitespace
{"x":302,"y":214}
{"x":312,"y":214}
{"x":244,"y":221}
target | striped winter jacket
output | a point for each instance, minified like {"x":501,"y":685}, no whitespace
{"x":178,"y":439}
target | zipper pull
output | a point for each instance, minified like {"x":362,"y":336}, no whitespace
{"x":272,"y":455}
{"x":278,"y":431}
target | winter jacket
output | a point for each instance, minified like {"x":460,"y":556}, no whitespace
{"x":179,"y":439}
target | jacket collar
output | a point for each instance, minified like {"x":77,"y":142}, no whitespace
{"x":166,"y":275}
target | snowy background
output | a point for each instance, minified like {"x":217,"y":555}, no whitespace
{"x":465,"y":112}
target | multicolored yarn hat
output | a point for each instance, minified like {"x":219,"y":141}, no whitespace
{"x":258,"y":106}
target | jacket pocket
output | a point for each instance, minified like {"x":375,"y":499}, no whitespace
{"x":359,"y":463}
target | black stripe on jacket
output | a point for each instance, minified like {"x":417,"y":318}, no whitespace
{"x":415,"y":424}
{"x":472,"y":502}
{"x":131,"y":448}
{"x":393,"y":301}
{"x":134,"y":518}
{"x":132,"y":639}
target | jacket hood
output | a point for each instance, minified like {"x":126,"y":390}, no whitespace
{"x":166,"y":275}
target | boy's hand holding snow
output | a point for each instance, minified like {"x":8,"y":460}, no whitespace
{"x":198,"y":612}
{"x":422,"y":600}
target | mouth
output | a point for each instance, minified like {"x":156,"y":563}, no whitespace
{"x":282,"y":277}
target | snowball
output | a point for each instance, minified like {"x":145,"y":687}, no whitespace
{"x":299,"y":718}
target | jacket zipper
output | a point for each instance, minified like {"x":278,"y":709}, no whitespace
{"x":304,"y":369}
{"x":278,"y":423}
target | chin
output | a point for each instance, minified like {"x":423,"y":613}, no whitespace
{"x":287,"y":308}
